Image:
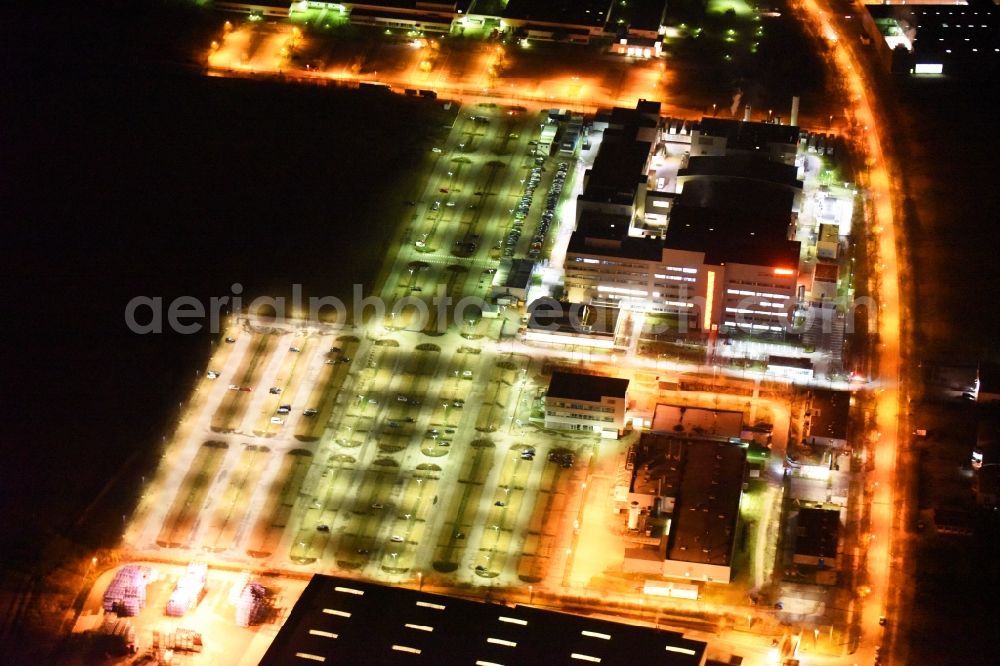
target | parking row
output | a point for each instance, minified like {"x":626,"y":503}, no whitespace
{"x":550,"y":210}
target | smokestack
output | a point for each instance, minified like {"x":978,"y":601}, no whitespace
{"x":794,"y":120}
{"x":633,"y":515}
{"x":746,"y":113}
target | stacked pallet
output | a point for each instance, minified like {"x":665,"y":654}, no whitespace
{"x":188,"y":591}
{"x":126,"y":595}
{"x":252,"y":605}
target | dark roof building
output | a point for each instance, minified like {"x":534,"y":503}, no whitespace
{"x":752,"y":166}
{"x":589,"y":388}
{"x":988,"y":382}
{"x":568,"y":13}
{"x":588,"y":403}
{"x":697,"y":422}
{"x":342,"y":621}
{"x":513,"y":279}
{"x":934,"y":39}
{"x":689,"y":491}
{"x":640,"y":17}
{"x":746,"y":236}
{"x":276,"y":8}
{"x":642,"y":249}
{"x":828,"y":417}
{"x":618,"y":168}
{"x":816,"y":536}
{"x":703,"y":530}
{"x":609,"y":226}
{"x":548,"y":314}
{"x":737,"y":208}
{"x":748,"y":136}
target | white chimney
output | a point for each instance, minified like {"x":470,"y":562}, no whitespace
{"x":633,"y":516}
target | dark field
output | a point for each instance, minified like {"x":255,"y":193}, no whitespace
{"x":125,"y":173}
{"x":948,"y":143}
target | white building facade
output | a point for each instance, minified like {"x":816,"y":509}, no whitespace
{"x":733,"y":296}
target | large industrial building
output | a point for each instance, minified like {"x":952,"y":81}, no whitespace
{"x":921,"y":39}
{"x":343,"y":621}
{"x":723,"y":259}
{"x":683,"y":505}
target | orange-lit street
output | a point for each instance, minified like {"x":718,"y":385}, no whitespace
{"x":881,"y":563}
{"x":515,"y":74}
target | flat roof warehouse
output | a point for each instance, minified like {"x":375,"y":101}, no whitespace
{"x":961,"y":39}
{"x":708,"y":503}
{"x":342,"y":621}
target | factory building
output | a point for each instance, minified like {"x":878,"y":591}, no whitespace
{"x":682,"y":507}
{"x":345,"y":621}
{"x":717,"y":254}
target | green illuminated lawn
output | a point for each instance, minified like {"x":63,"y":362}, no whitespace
{"x":319,"y":18}
{"x":739,"y":7}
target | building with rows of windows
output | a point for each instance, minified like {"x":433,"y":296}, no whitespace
{"x":724,"y":261}
{"x":586,"y":402}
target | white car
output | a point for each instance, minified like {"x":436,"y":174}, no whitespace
{"x":277,"y":419}
{"x":212,"y":374}
{"x":395,"y":538}
{"x":234,"y":387}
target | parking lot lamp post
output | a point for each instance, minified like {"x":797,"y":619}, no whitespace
{"x":420,"y":581}
{"x":531,"y":593}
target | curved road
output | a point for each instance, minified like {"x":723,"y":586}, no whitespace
{"x":886,"y":437}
